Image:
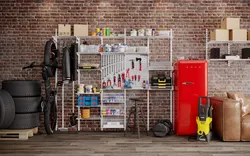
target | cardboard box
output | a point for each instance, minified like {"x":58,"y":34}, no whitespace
{"x":219,"y":35}
{"x":230,"y":23}
{"x":81,"y":30}
{"x":248,"y":34}
{"x":64,"y":30}
{"x":238,"y":34}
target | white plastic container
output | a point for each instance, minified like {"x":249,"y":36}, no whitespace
{"x":133,"y":32}
{"x":141,"y":32}
{"x":142,"y":49}
{"x":148,"y":32}
{"x":164,"y":33}
{"x":122,"y":48}
{"x":82,"y":48}
{"x":131,"y":49}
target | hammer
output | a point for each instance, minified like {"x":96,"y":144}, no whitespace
{"x":140,"y":66}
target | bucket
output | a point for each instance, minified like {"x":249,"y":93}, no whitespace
{"x":85,"y":113}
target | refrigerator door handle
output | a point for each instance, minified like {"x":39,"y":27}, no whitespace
{"x":187,"y":83}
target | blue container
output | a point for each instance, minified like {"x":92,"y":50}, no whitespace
{"x":80,"y":100}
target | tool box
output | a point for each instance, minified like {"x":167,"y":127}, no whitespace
{"x":161,"y":81}
{"x":87,"y":100}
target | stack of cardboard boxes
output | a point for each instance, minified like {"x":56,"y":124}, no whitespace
{"x":230,"y":30}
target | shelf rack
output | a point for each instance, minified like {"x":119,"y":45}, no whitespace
{"x":104,"y":73}
{"x":228,"y":43}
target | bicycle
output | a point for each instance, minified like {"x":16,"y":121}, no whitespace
{"x":49,"y":103}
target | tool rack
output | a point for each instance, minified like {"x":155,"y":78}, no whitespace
{"x":117,"y":62}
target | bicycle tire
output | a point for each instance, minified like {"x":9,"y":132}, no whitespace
{"x":50,"y":57}
{"x":50,"y":117}
{"x":49,"y":47}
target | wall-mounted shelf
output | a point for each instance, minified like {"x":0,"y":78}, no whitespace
{"x":229,"y":60}
{"x":89,"y":53}
{"x":86,"y":69}
{"x":106,"y":103}
{"x":89,"y":106}
{"x":114,"y":63}
{"x":228,"y":43}
{"x":113,"y":115}
{"x":88,"y":93}
{"x":92,"y":117}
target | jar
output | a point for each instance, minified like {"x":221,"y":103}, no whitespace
{"x":115,"y":48}
{"x":82,"y":48}
{"x":122,"y":48}
{"x":89,"y":88}
{"x":80,"y":88}
{"x":107,"y":111}
{"x":104,"y":111}
{"x":141,"y":32}
{"x":148,"y":32}
{"x":133,"y":32}
{"x":107,"y":48}
{"x":117,"y":112}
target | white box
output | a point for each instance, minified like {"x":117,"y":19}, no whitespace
{"x":233,"y":57}
{"x":142,"y":49}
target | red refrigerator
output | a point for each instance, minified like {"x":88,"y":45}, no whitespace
{"x":190,"y":82}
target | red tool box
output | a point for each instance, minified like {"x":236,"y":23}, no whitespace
{"x":190,"y":77}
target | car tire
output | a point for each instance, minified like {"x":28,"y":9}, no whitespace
{"x":7,"y":109}
{"x":25,"y":121}
{"x":22,"y":88}
{"x":25,"y":105}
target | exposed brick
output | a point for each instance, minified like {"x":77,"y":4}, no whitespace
{"x":25,"y":25}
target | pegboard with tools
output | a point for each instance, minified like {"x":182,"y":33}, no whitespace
{"x":125,"y":71}
{"x":137,"y":70}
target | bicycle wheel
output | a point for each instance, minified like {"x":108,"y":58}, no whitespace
{"x":50,"y":117}
{"x":50,"y":57}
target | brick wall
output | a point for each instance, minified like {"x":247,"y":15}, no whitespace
{"x":25,"y":25}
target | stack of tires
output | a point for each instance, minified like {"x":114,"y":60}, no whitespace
{"x":27,"y":99}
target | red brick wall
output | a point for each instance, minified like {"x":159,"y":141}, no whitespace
{"x":25,"y":25}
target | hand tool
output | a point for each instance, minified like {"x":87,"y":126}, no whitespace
{"x":109,"y":83}
{"x":119,"y":81}
{"x":133,"y":77}
{"x":140,"y":66}
{"x":139,"y":78}
{"x":103,"y":84}
{"x":123,"y":77}
{"x":127,"y":74}
{"x":132,"y":64}
{"x":114,"y":79}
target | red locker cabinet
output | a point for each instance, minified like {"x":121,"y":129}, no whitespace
{"x":190,"y":77}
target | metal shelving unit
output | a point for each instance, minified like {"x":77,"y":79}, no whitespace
{"x":228,"y":43}
{"x":107,"y":69}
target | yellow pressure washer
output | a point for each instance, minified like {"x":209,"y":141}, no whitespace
{"x":204,"y":120}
